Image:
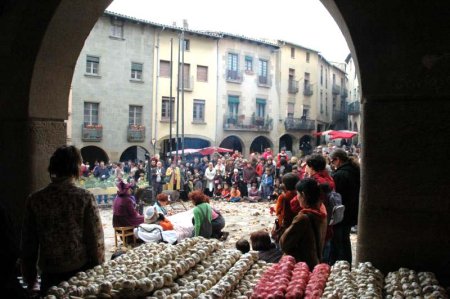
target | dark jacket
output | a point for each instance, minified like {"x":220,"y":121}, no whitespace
{"x":347,"y":181}
{"x":124,"y":213}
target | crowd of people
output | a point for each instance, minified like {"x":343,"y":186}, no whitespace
{"x":299,"y":187}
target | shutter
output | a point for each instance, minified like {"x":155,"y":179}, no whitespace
{"x":202,"y":73}
{"x":164,"y":68}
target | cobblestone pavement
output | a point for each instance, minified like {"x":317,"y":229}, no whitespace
{"x":241,"y":220}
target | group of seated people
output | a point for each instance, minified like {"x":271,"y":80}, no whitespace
{"x":261,"y":242}
{"x":155,"y":224}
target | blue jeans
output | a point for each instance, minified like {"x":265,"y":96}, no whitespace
{"x":235,"y":199}
{"x":105,"y":198}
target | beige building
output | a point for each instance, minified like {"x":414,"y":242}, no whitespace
{"x":248,"y":109}
{"x":354,"y":96}
{"x":142,"y":87}
{"x":298,"y":94}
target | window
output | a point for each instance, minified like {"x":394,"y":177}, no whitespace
{"x":334,"y":79}
{"x":260,"y":107}
{"x":326,"y":78}
{"x":186,"y":44}
{"x":233,"y":106}
{"x":290,"y":112}
{"x":117,"y":28}
{"x":263,"y":71}
{"x":199,"y":111}
{"x":136,"y":71}
{"x":202,"y":73}
{"x":186,"y":76}
{"x":232,"y":61}
{"x":164,"y":68}
{"x":248,"y":63}
{"x":90,"y":113}
{"x":166,"y":110}
{"x":321,"y":102}
{"x":92,"y":64}
{"x":321,"y":75}
{"x":135,"y":115}
{"x":307,"y":56}
{"x":306,"y":81}
{"x":326,"y":104}
{"x":233,"y":73}
{"x":292,"y":52}
{"x":305,"y":114}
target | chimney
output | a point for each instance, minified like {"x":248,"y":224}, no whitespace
{"x":185,"y":24}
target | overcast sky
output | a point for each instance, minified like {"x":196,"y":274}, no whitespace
{"x":304,"y":22}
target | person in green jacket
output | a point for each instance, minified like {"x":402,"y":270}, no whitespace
{"x":202,"y":214}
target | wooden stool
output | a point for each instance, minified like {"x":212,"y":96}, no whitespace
{"x":124,"y":232}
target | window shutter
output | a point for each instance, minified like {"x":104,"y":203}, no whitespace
{"x":164,"y":68}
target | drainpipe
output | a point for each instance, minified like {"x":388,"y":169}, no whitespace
{"x":217,"y":90}
{"x":156,"y":89}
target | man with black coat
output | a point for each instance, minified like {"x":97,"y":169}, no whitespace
{"x":347,"y":180}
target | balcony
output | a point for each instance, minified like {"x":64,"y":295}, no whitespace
{"x":264,"y":81}
{"x":336,"y":89}
{"x":299,"y":124}
{"x":339,"y":115}
{"x":293,"y":86}
{"x":136,"y":133}
{"x":188,"y":84}
{"x":93,"y":133}
{"x":354,"y":108}
{"x":242,"y":123}
{"x":234,"y":76}
{"x":307,"y":90}
{"x":344,"y":93}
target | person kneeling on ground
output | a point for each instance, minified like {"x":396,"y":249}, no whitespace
{"x":267,"y":250}
{"x":202,"y":215}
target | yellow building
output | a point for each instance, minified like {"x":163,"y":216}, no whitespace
{"x":186,"y":72}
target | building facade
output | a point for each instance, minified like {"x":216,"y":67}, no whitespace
{"x":142,"y":87}
{"x":112,"y":86}
{"x":354,"y":95}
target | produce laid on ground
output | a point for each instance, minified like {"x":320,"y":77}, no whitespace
{"x":201,"y":268}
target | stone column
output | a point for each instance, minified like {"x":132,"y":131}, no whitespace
{"x":24,"y":152}
{"x":405,"y":208}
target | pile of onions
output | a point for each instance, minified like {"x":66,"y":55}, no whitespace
{"x":275,"y":281}
{"x":297,"y":285}
{"x":245,"y":287}
{"x":317,"y":281}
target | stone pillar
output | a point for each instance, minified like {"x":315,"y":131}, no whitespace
{"x":24,"y":153}
{"x":405,"y":208}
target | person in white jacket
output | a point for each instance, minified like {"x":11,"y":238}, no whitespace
{"x":210,"y":173}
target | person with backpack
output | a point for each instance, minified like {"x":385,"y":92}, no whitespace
{"x":202,"y":214}
{"x":347,"y":179}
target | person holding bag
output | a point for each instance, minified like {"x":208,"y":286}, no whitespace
{"x":304,"y":239}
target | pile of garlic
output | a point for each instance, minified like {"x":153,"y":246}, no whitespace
{"x":245,"y":287}
{"x":365,"y":281}
{"x":147,"y":269}
{"x":407,"y":283}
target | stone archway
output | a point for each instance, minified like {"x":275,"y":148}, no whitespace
{"x":259,"y":144}
{"x":92,"y":154}
{"x":134,"y":153}
{"x":232,"y":142}
{"x":286,"y":141}
{"x":305,"y":145}
{"x":46,"y":44}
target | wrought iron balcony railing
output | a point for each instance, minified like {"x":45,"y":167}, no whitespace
{"x":297,"y":124}
{"x":293,"y":86}
{"x":244,"y":123}
{"x":307,"y":90}
{"x":264,"y":81}
{"x":136,"y":133}
{"x":234,"y":76}
{"x":354,"y":108}
{"x":91,"y":132}
{"x":336,"y":89}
